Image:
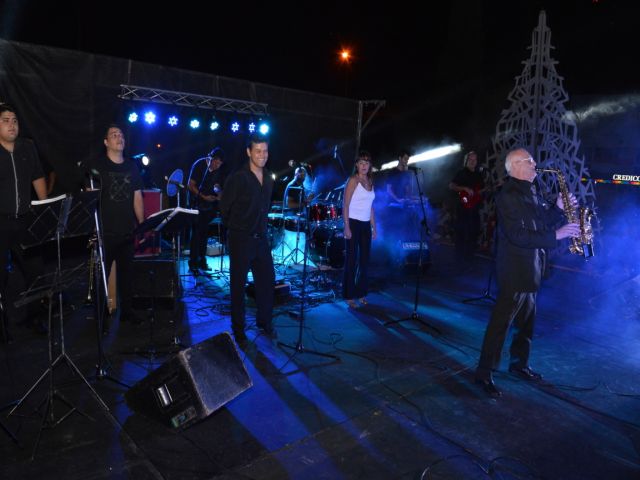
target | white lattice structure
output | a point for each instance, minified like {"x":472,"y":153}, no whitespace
{"x":538,"y":121}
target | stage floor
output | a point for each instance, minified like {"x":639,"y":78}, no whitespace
{"x":397,"y":402}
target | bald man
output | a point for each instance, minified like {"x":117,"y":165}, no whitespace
{"x":526,"y":228}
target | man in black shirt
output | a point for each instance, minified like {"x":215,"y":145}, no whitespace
{"x":121,"y":206}
{"x":244,"y":207}
{"x":205,"y":186}
{"x":19,"y":170}
{"x":469,"y":185}
{"x":399,"y":182}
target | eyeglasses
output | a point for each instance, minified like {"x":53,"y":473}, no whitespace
{"x":528,"y":160}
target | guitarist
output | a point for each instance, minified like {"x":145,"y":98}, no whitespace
{"x":469,"y":185}
{"x":205,"y":189}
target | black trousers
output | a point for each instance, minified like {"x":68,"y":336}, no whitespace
{"x":247,"y":252}
{"x":516,"y":307}
{"x":199,"y":236}
{"x":11,"y":231}
{"x":356,"y":265}
{"x":120,"y":249}
{"x":467,"y":230}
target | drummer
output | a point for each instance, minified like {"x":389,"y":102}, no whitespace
{"x":300,"y":185}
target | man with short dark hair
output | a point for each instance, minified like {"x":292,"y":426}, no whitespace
{"x":121,"y":206}
{"x":244,"y":207}
{"x":20,"y":169}
{"x":205,"y":188}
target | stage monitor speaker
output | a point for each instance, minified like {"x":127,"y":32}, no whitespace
{"x":192,"y":385}
{"x":154,"y":278}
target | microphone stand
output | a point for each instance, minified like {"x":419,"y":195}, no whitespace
{"x":424,"y":230}
{"x":299,"y":347}
{"x":486,"y":295}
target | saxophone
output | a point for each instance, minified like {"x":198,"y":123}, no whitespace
{"x":583,"y":244}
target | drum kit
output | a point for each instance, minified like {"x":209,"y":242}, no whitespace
{"x":326,"y":240}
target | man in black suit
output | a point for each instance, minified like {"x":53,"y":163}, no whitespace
{"x":526,"y":227}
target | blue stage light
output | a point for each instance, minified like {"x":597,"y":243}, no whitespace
{"x":195,"y":123}
{"x":214,"y":125}
{"x":252,"y":127}
{"x":133,"y":117}
{"x":173,"y":121}
{"x":235,"y":126}
{"x":263,"y":128}
{"x":150,"y":117}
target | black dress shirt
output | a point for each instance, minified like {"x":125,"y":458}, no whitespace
{"x":245,"y":202}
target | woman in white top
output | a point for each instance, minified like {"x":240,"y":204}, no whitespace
{"x":359,"y":229}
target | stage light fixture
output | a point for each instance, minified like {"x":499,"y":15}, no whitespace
{"x":252,"y":127}
{"x":133,"y":117}
{"x":214,"y":125}
{"x":145,"y":160}
{"x":173,"y":121}
{"x":150,"y":117}
{"x":195,"y":123}
{"x":430,"y":154}
{"x":264,"y":128}
{"x":235,"y":126}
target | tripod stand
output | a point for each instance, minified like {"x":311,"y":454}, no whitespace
{"x":424,"y":230}
{"x":486,"y":295}
{"x":300,"y":217}
{"x":61,"y":280}
{"x":299,"y":347}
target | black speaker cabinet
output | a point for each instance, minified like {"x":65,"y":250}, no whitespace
{"x":154,"y":278}
{"x":193,"y":384}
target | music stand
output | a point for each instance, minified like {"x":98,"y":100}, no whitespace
{"x":51,"y":217}
{"x":424,"y":231}
{"x":171,"y":220}
{"x":299,"y":347}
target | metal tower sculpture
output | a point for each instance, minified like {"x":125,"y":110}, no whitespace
{"x":538,"y":121}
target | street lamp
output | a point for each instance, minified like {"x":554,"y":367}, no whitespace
{"x":345,"y":56}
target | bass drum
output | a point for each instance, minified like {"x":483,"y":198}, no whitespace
{"x":327,"y":246}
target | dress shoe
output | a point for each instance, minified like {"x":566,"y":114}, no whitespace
{"x":269,"y":332}
{"x":526,"y":373}
{"x":489,"y":387}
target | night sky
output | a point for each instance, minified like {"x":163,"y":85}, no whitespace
{"x":432,"y":67}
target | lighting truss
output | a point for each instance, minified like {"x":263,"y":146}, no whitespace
{"x":182,"y":99}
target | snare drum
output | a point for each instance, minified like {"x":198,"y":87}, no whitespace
{"x":275,"y":220}
{"x":294,"y":223}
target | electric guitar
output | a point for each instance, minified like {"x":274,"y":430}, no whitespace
{"x":470,"y":201}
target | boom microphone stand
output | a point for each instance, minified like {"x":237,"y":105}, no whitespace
{"x":101,"y":286}
{"x":424,"y":230}
{"x":299,"y":347}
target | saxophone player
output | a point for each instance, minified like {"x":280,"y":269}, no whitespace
{"x":526,"y":227}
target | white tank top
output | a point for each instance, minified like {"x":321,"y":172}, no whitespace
{"x":360,"y":206}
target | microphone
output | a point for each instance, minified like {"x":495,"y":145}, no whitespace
{"x":173,"y":182}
